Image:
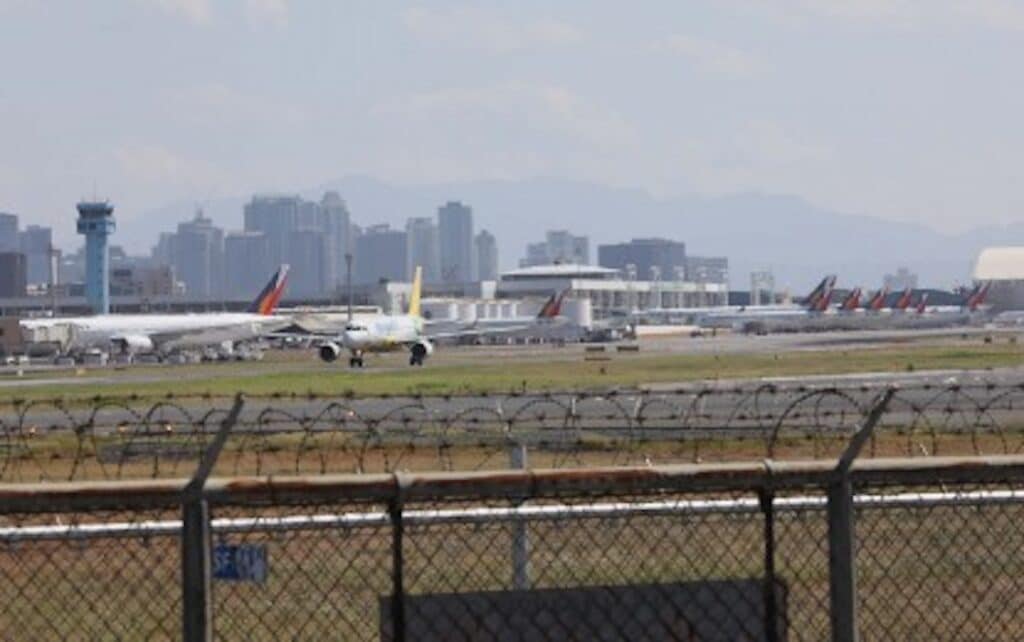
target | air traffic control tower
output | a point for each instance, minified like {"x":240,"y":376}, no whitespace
{"x":96,"y":222}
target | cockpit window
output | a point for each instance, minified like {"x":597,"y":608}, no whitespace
{"x":352,"y":327}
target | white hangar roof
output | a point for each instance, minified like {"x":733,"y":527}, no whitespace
{"x":1000,"y":264}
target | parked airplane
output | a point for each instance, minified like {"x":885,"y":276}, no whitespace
{"x":387,"y":333}
{"x":877,"y":301}
{"x":162,"y":333}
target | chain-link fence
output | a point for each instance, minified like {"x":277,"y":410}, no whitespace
{"x":710,"y":552}
{"x":138,"y":437}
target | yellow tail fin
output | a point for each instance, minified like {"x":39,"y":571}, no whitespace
{"x":414,"y":298}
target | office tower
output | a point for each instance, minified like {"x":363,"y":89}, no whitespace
{"x":307,"y":256}
{"x":707,"y":269}
{"x":12,"y":274}
{"x":559,"y":246}
{"x":335,"y":221}
{"x":245,"y":262}
{"x":669,"y":257}
{"x":275,"y":217}
{"x":199,"y":257}
{"x":9,"y":233}
{"x":36,"y":244}
{"x":423,"y":247}
{"x":486,"y":256}
{"x":381,"y":255}
{"x":96,"y":222}
{"x":455,"y":229}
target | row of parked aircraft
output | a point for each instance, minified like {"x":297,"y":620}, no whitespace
{"x":819,"y":311}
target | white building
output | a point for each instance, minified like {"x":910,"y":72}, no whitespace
{"x":1003,"y":268}
{"x":606,"y":289}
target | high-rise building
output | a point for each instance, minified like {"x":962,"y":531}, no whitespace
{"x":455,"y":230}
{"x":423,"y":247}
{"x":559,"y":246}
{"x":707,"y":269}
{"x":667,"y":257}
{"x":12,"y":274}
{"x":307,"y":248}
{"x":9,"y":233}
{"x":36,"y":244}
{"x":276,"y":217}
{"x":486,"y":256}
{"x":381,"y":255}
{"x":902,"y":280}
{"x":96,"y":222}
{"x":245,"y":261}
{"x":199,"y":257}
{"x":335,"y":221}
{"x":163,"y":251}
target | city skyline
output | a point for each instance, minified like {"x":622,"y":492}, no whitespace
{"x":733,"y":227}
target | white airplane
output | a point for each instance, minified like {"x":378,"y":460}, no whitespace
{"x":387,"y":333}
{"x":145,"y":333}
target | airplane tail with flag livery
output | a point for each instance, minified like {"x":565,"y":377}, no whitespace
{"x":268,"y":298}
{"x":977,"y":297}
{"x":552,"y":308}
{"x":820,"y":297}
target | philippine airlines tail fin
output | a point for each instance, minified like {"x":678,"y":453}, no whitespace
{"x":552,"y":308}
{"x":922,"y":305}
{"x":822,"y":294}
{"x":852,"y":300}
{"x":977,"y":297}
{"x":903,"y":302}
{"x":417,"y":288}
{"x":877,"y":301}
{"x":270,"y":295}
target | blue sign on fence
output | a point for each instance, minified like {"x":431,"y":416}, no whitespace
{"x":240,"y":562}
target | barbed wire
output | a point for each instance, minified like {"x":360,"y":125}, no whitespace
{"x":64,"y":439}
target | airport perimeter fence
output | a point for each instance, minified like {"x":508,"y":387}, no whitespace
{"x":109,"y":438}
{"x":890,"y":549}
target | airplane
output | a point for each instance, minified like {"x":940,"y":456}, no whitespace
{"x":387,"y":333}
{"x":877,"y":301}
{"x":852,"y":301}
{"x":162,"y":333}
{"x":905,"y":298}
{"x":762,"y":319}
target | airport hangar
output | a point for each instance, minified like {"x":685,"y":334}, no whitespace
{"x":1003,"y":269}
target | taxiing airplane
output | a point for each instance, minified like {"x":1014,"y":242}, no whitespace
{"x":387,"y":333}
{"x":162,"y":333}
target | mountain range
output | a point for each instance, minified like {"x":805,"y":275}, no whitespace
{"x":797,"y":240}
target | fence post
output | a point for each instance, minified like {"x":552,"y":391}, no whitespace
{"x":195,"y":539}
{"x":397,"y":560}
{"x":517,"y":457}
{"x":841,"y":535}
{"x":766,"y":495}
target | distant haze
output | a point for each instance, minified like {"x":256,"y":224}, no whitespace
{"x":908,"y":111}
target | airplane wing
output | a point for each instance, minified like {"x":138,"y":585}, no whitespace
{"x":209,"y":334}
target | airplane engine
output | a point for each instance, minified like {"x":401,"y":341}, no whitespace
{"x":330,"y":352}
{"x":134,"y":343}
{"x":420,"y":351}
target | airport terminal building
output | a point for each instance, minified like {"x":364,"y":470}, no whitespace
{"x":607,"y":290}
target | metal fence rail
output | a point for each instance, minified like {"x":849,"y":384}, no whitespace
{"x":127,"y":438}
{"x":737,"y":551}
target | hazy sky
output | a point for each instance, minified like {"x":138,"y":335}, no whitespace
{"x":906,"y":109}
